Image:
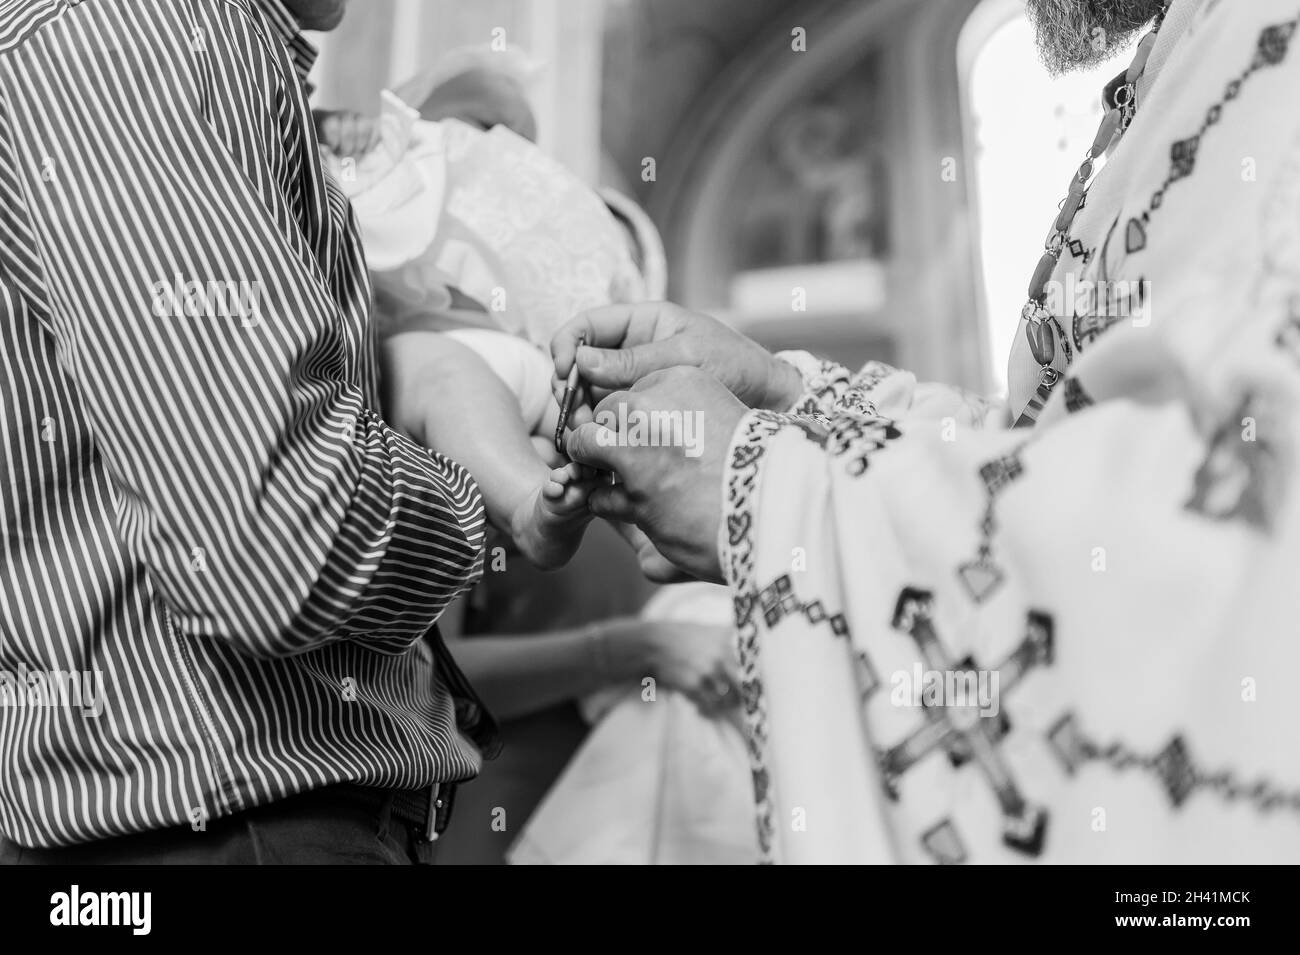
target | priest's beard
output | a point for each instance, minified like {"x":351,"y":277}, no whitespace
{"x":1075,"y":34}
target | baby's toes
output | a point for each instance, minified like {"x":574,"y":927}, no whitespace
{"x":560,"y":480}
{"x":568,"y":474}
{"x":577,"y":492}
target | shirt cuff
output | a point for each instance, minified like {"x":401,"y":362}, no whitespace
{"x":824,"y":382}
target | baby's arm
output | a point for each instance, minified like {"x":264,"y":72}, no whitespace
{"x":442,"y":393}
{"x":447,"y":398}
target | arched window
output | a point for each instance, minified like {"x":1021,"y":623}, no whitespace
{"x":1026,"y":131}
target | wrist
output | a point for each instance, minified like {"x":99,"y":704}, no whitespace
{"x":617,"y":651}
{"x":594,"y":641}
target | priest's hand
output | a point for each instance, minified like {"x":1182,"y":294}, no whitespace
{"x":666,"y":441}
{"x":627,"y":342}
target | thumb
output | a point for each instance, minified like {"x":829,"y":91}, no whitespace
{"x":624,"y":367}
{"x":595,"y":446}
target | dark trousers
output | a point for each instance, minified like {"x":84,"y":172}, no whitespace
{"x":338,"y":825}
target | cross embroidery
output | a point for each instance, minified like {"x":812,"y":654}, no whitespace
{"x":962,"y":733}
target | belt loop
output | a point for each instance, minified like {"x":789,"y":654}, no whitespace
{"x":431,"y":830}
{"x":441,"y":797}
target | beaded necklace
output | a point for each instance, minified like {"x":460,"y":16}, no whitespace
{"x":1041,"y":326}
{"x":982,"y":575}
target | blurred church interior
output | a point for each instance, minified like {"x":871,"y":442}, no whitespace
{"x":859,"y":178}
{"x":844,"y":191}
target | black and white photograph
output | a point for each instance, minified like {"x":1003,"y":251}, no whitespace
{"x":651,"y":432}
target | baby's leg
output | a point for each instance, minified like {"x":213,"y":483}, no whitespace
{"x":448,"y":398}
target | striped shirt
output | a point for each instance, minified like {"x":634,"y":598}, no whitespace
{"x":200,"y":511}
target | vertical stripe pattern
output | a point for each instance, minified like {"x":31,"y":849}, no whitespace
{"x":197,"y":501}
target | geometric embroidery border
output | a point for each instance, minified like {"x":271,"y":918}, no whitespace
{"x":1172,"y":765}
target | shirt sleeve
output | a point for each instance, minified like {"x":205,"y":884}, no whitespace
{"x":217,"y":356}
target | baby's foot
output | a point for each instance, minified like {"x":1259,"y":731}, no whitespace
{"x":548,"y":524}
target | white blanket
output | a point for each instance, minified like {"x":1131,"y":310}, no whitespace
{"x":656,"y":782}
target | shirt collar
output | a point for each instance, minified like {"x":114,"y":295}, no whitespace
{"x":286,"y":27}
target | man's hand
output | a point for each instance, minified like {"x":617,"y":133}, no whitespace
{"x":627,"y":342}
{"x":694,"y":659}
{"x":671,"y":489}
{"x":654,"y":565}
